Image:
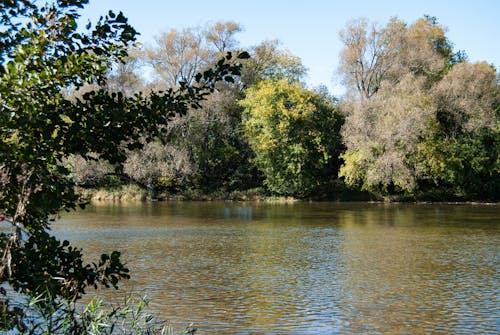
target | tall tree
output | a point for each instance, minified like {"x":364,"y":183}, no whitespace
{"x":382,"y":133}
{"x":364,"y":61}
{"x":373,"y":54}
{"x":294,"y":134}
{"x":221,"y":35}
{"x":429,"y":121}
{"x":43,"y":53}
{"x":178,"y":56}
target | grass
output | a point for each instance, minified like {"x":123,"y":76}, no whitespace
{"x":123,"y":193}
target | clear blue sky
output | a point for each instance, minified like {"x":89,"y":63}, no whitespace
{"x":309,"y":28}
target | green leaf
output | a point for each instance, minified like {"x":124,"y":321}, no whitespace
{"x":244,"y":55}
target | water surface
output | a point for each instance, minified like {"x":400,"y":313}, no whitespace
{"x":306,"y":268}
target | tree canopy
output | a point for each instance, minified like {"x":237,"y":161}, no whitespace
{"x":44,"y":55}
{"x":423,"y":119}
{"x":294,"y":134}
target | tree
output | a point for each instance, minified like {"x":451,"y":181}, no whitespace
{"x":467,"y":98}
{"x":294,"y":134}
{"x":462,"y":154}
{"x":382,"y":134}
{"x":221,"y":35}
{"x":423,"y":117}
{"x":423,"y":50}
{"x":43,"y":53}
{"x":125,"y":76}
{"x":158,"y":167}
{"x":212,"y":136}
{"x":372,"y":54}
{"x":363,"y":61}
{"x":268,"y":61}
{"x":178,"y":57}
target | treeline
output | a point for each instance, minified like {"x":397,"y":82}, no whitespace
{"x":418,"y":120}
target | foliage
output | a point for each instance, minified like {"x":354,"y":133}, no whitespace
{"x":373,"y":54}
{"x":159,"y":166}
{"x":90,"y":172}
{"x":382,"y":133}
{"x":468,"y":164}
{"x":44,"y":263}
{"x":467,"y":99}
{"x":424,"y":118}
{"x":213,"y":139}
{"x":40,"y":315}
{"x":129,"y":317}
{"x":204,"y":151}
{"x":268,"y":61}
{"x":43,"y":55}
{"x":294,"y":134}
{"x":463,"y":153}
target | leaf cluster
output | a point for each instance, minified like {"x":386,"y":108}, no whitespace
{"x":43,"y":264}
{"x":294,"y":134}
{"x":43,"y":55}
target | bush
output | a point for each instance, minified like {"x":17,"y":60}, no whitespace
{"x":45,"y":315}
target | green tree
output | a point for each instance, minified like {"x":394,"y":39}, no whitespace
{"x":382,"y":133}
{"x":422,"y":119}
{"x":43,"y":53}
{"x":462,"y":153}
{"x":294,"y":134}
{"x":268,"y":61}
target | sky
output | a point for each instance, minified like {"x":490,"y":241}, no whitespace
{"x":309,"y":28}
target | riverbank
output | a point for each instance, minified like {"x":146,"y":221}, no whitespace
{"x":130,"y":192}
{"x":127,"y":193}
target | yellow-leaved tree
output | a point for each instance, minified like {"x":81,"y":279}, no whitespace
{"x":295,"y":135}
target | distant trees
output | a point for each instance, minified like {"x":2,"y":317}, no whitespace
{"x":419,"y":119}
{"x":422,"y":117}
{"x":206,"y":140}
{"x":206,"y":149}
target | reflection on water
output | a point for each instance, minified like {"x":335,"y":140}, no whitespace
{"x":308,"y":268}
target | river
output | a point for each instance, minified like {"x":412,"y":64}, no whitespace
{"x":305,"y":268}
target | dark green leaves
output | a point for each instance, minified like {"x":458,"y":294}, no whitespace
{"x":43,"y":55}
{"x":244,"y":55}
{"x":45,"y":264}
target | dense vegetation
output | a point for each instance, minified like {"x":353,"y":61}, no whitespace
{"x":418,"y":122}
{"x":421,"y":121}
{"x":55,"y":104}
